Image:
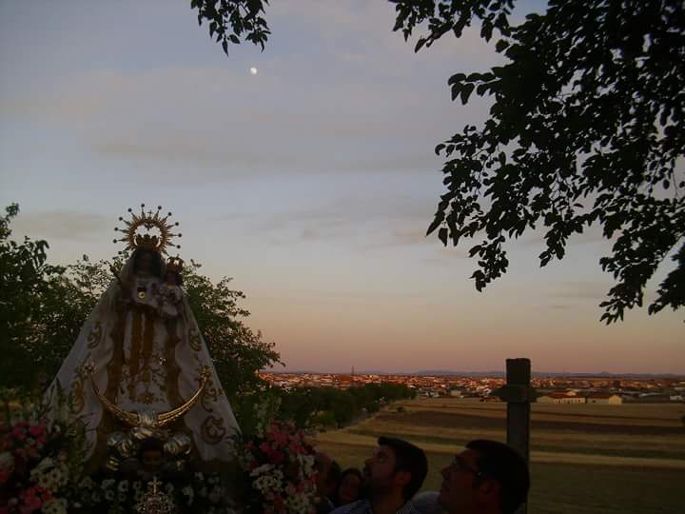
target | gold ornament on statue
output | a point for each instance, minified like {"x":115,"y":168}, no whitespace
{"x":155,"y":501}
{"x":153,"y":421}
{"x":149,"y":220}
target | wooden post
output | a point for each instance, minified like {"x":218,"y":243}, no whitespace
{"x":518,"y":407}
{"x":518,"y":394}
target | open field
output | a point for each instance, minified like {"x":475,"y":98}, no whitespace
{"x":585,"y":458}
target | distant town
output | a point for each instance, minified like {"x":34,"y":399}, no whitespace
{"x":612,"y":390}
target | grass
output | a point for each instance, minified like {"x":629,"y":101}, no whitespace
{"x":585,"y":458}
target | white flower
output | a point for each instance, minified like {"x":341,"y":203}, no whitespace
{"x":108,"y":483}
{"x":46,"y":463}
{"x":58,"y":476}
{"x":49,"y":477}
{"x":189,"y":494}
{"x":123,"y":486}
{"x":298,"y":503}
{"x":261,"y":470}
{"x":55,"y":506}
{"x":109,"y":495}
{"x":6,"y":461}
{"x":216,"y":494}
{"x":87,"y":483}
{"x":269,"y":482}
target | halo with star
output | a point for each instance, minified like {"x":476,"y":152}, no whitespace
{"x":138,"y":232}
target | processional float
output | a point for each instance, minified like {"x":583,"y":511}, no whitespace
{"x":139,"y":375}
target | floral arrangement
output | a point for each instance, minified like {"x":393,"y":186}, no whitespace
{"x":38,"y":477}
{"x":193,"y":492}
{"x":38,"y":462}
{"x":278,"y":469}
{"x":42,"y":472}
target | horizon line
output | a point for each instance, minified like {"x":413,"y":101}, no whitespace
{"x":482,"y":372}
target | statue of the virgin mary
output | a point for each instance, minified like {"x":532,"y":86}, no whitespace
{"x":139,"y":365}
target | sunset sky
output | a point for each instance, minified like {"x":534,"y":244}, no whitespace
{"x":311,"y":182}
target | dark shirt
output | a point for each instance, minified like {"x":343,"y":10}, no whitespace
{"x":364,"y":507}
{"x":324,"y":505}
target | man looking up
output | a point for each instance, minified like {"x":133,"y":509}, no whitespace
{"x":488,"y":477}
{"x":392,"y":475}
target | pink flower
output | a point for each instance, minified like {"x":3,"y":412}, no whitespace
{"x":19,"y":433}
{"x":276,"y":457}
{"x":296,"y":448}
{"x":37,"y":431}
{"x":32,"y":499}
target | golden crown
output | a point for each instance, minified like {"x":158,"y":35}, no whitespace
{"x":147,"y":220}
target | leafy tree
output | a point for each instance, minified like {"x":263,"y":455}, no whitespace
{"x":231,"y":20}
{"x":300,"y":405}
{"x":585,"y":127}
{"x":329,"y":406}
{"x":344,"y":407}
{"x":64,"y":302}
{"x":24,"y":275}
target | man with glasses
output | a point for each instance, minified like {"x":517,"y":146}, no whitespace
{"x":488,"y":477}
{"x":392,"y":475}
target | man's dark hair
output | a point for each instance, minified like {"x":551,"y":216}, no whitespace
{"x":408,"y":458}
{"x":502,"y":463}
{"x":352,"y":471}
{"x":157,"y":263}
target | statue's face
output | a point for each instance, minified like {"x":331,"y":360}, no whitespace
{"x":145,"y":263}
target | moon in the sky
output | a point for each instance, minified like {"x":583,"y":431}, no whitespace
{"x":253,"y":70}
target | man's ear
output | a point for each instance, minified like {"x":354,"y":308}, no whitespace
{"x":489,"y":488}
{"x":402,"y":478}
